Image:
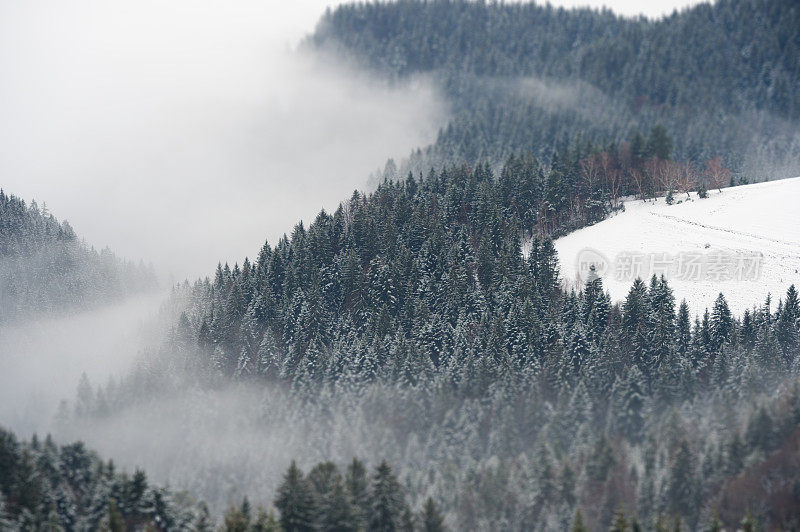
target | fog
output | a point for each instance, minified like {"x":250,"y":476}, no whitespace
{"x":181,"y":133}
{"x":185,"y":133}
{"x":224,"y":444}
{"x":43,"y":358}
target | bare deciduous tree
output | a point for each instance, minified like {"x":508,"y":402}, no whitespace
{"x":687,"y":179}
{"x":612,"y":177}
{"x":591,"y":170}
{"x":638,"y":179}
{"x":717,"y":174}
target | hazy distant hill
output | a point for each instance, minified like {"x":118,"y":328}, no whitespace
{"x":45,"y":267}
{"x":722,"y":78}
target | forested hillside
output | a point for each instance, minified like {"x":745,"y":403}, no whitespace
{"x":525,"y":77}
{"x":426,"y":321}
{"x":425,"y":324}
{"x":44,"y":267}
{"x":45,"y":486}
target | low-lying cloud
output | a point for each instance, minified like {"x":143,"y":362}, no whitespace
{"x":184,"y":133}
{"x":181,"y":133}
{"x":42,"y":358}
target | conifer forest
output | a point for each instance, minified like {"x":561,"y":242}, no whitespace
{"x":400,"y":349}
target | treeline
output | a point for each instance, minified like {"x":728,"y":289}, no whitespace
{"x":676,"y":425}
{"x":44,"y":267}
{"x":402,"y":268}
{"x":524,"y":77}
{"x":500,"y":462}
{"x":324,"y":500}
{"x":644,"y":169}
{"x":418,"y":277}
{"x":715,"y":54}
{"x":45,"y":486}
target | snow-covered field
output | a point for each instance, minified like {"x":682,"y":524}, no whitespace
{"x":743,"y":242}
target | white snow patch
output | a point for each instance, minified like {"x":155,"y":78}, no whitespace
{"x":746,"y":240}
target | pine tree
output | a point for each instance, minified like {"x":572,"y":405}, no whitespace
{"x":748,"y":332}
{"x":265,"y":522}
{"x":566,"y":486}
{"x":600,"y":461}
{"x":337,"y":513}
{"x":203,"y":522}
{"x":639,"y":146}
{"x":630,"y":401}
{"x":334,"y":510}
{"x":432,"y":521}
{"x":659,"y":143}
{"x":115,"y":521}
{"x":768,"y":350}
{"x":683,"y":330}
{"x":357,"y":487}
{"x":715,"y":525}
{"x":29,"y":484}
{"x":662,"y":304}
{"x":386,"y":501}
{"x":579,"y":350}
{"x":735,"y":455}
{"x":721,"y":323}
{"x":407,"y":520}
{"x":635,"y":323}
{"x":598,"y":317}
{"x":619,"y":523}
{"x":683,"y":485}
{"x":761,"y":434}
{"x":577,"y":523}
{"x":750,"y":523}
{"x":5,"y":519}
{"x":295,"y":502}
{"x":84,"y":403}
{"x":661,"y":524}
{"x":236,"y":520}
{"x":787,"y":326}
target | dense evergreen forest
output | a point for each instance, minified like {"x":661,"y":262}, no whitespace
{"x":525,"y":77}
{"x":427,"y":321}
{"x":44,"y":486}
{"x":44,"y":267}
{"x":425,"y":325}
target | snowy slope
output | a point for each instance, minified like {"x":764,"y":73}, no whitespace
{"x":743,"y":241}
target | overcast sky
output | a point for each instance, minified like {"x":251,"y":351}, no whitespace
{"x":186,"y":132}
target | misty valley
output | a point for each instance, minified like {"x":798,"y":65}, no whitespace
{"x":411,"y":265}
